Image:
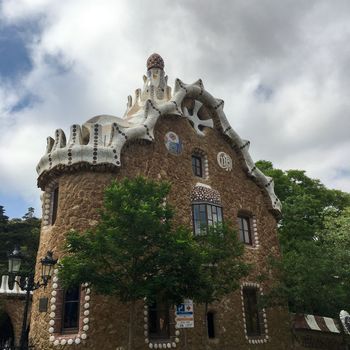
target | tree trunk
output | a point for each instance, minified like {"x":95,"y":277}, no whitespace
{"x":131,"y":324}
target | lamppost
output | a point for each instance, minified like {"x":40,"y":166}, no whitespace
{"x":28,"y":284}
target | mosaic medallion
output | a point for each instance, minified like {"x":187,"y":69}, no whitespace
{"x":224,"y":161}
{"x":173,"y":143}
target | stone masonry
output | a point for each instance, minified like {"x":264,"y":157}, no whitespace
{"x":229,"y":172}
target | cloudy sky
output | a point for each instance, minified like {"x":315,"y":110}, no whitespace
{"x":282,"y":67}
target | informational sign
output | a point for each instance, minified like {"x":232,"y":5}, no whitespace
{"x":43,"y":304}
{"x":184,"y":317}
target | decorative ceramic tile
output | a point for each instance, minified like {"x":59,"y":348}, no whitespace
{"x":173,"y":143}
{"x":225,"y":161}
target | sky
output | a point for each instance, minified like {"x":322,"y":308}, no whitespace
{"x":282,"y":68}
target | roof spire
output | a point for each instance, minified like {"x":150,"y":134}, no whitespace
{"x":155,"y":61}
{"x":155,"y":88}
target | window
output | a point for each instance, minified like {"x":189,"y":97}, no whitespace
{"x":253,"y":316}
{"x":211,"y":324}
{"x":71,"y":302}
{"x":54,"y":205}
{"x":244,"y":229}
{"x":197,"y":167}
{"x":205,"y":215}
{"x":200,"y":166}
{"x":158,"y":320}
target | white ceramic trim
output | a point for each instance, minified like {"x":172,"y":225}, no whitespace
{"x":140,"y":125}
{"x":158,"y":343}
{"x":5,"y":286}
{"x":47,"y":202}
{"x":64,"y":339}
{"x":254,"y":230}
{"x":194,"y":118}
{"x":263,"y":338}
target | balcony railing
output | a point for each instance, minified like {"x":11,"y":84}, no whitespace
{"x":6,"y":287}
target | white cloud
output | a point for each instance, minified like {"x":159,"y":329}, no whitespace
{"x":281,"y":67}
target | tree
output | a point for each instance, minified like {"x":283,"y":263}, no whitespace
{"x":310,"y":269}
{"x":136,"y":252}
{"x":304,"y":202}
{"x":29,"y":214}
{"x":22,"y":232}
{"x":221,"y":265}
{"x":3,"y":218}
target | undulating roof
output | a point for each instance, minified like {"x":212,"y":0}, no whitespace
{"x":99,"y":141}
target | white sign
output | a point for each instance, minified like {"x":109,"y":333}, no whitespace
{"x":224,"y":161}
{"x":184,"y":314}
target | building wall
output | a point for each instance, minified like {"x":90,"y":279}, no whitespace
{"x":80,"y":195}
{"x":13,"y":306}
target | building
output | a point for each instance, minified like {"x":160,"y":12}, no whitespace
{"x":183,"y":137}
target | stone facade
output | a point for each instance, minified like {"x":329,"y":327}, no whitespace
{"x":13,"y":306}
{"x":140,"y":144}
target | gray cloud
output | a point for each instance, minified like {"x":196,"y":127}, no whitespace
{"x":282,"y":68}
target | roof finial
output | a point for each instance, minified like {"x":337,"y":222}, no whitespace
{"x":155,"y":61}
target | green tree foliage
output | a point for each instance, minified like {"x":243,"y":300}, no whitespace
{"x":29,"y":214}
{"x":221,"y":265}
{"x":312,"y":270}
{"x":136,"y":252}
{"x":22,"y":232}
{"x":3,"y":218}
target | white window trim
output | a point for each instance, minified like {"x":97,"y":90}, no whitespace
{"x":47,"y":202}
{"x":65,"y":339}
{"x":254,"y":231}
{"x":263,"y":338}
{"x":158,"y":343}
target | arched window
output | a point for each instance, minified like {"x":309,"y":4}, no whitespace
{"x":6,"y":332}
{"x":206,"y":208}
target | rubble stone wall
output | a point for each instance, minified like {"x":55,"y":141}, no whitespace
{"x":80,"y":196}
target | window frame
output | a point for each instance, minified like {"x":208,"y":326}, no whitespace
{"x":70,"y":330}
{"x":197,"y":165}
{"x":197,"y":230}
{"x":159,"y":308}
{"x":254,"y":320}
{"x":211,"y":325}
{"x":54,"y":204}
{"x":245,"y":218}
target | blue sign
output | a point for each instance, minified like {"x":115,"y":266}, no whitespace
{"x":184,"y":314}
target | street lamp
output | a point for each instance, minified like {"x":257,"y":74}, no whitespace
{"x":27,"y":282}
{"x":15,"y":260}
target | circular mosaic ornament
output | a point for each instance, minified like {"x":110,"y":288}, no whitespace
{"x":173,"y":143}
{"x":225,"y":161}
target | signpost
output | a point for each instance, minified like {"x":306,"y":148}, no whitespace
{"x":184,"y":314}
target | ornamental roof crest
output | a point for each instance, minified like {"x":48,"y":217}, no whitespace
{"x":99,"y":141}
